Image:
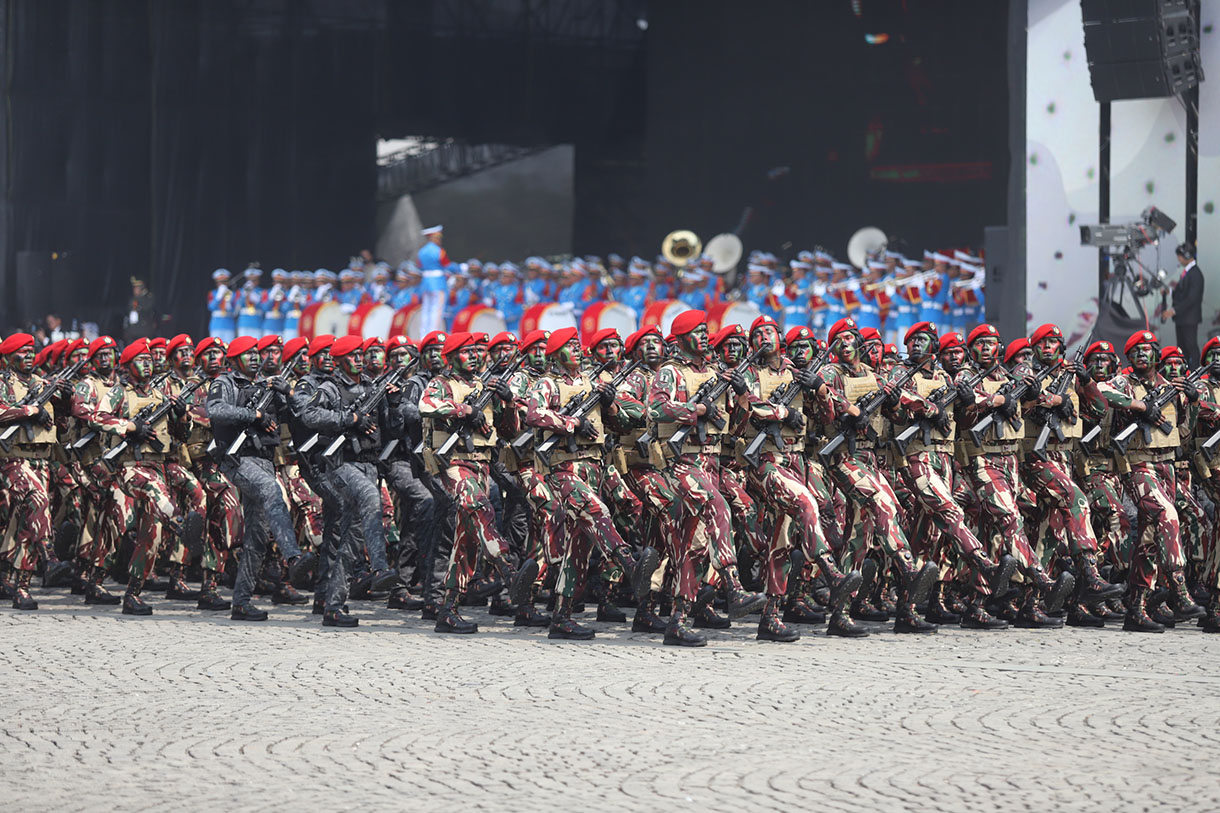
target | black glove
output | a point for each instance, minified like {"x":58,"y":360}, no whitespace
{"x":177,"y":406}
{"x":713,"y":415}
{"x":365,"y":423}
{"x":142,"y":432}
{"x":586,"y":429}
{"x":1152,"y":415}
{"x":605,"y":393}
{"x":1033,"y":388}
{"x":503,"y":391}
{"x":942,"y":421}
{"x":893,"y":397}
{"x":1008,"y":409}
{"x":43,"y":417}
{"x":738,"y":382}
{"x":64,"y":389}
{"x":1190,"y":391}
{"x":794,"y":419}
{"x":266,"y":423}
{"x":809,"y":380}
{"x":965,"y":392}
{"x":280,"y":385}
{"x":1084,"y":376}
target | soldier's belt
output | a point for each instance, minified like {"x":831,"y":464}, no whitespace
{"x":27,"y":453}
{"x":1150,"y":455}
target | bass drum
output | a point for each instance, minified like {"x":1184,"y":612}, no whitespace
{"x":371,"y":320}
{"x":661,"y":314}
{"x":547,"y":316}
{"x":322,"y":318}
{"x":602,"y":315}
{"x":407,"y":322}
{"x":723,"y":314}
{"x":479,"y":319}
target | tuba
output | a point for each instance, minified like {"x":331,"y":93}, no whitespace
{"x":681,"y":247}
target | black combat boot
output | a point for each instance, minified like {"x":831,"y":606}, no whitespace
{"x":842,"y":585}
{"x":609,"y":613}
{"x":302,"y":570}
{"x":319,"y":605}
{"x":1183,"y":605}
{"x":705,"y":616}
{"x":247,"y":612}
{"x":132,"y":603}
{"x":799,"y":610}
{"x":907,"y":620}
{"x":528,"y":615}
{"x":738,"y":602}
{"x":638,"y":572}
{"x":976,"y":618}
{"x":22,"y":600}
{"x":384,"y":580}
{"x":340,"y":618}
{"x":1211,"y":621}
{"x":501,"y":607}
{"x":1137,"y":619}
{"x":646,"y":618}
{"x":771,"y":627}
{"x":861,"y":608}
{"x":209,"y":596}
{"x":401,"y":599}
{"x":938,"y":609}
{"x":1054,"y":592}
{"x":841,"y":625}
{"x":1030,"y":616}
{"x":285,"y":594}
{"x":95,"y":593}
{"x":449,"y":620}
{"x":678,"y":631}
{"x":1079,"y":616}
{"x":55,"y":573}
{"x":1092,"y":586}
{"x":177,"y":590}
{"x":915,"y":581}
{"x":562,"y":625}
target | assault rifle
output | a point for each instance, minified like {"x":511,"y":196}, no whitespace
{"x":782,"y":397}
{"x":708,"y":394}
{"x":258,"y":403}
{"x":578,"y":406}
{"x":477,"y":401}
{"x":1051,"y":418}
{"x":867,"y":405}
{"x":37,"y":399}
{"x":392,"y":444}
{"x":1013,"y":392}
{"x":371,"y":400}
{"x":1144,"y":422}
{"x":150,"y":415}
{"x":522,"y":442}
{"x":943,"y":399}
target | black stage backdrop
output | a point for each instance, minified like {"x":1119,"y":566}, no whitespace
{"x":164,"y":139}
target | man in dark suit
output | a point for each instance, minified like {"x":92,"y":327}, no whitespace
{"x":1187,"y":309}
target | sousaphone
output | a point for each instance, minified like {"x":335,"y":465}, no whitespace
{"x":681,"y":247}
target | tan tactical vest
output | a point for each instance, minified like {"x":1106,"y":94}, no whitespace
{"x":768,"y":382}
{"x":1007,"y":444}
{"x":22,"y":444}
{"x":694,"y":380}
{"x":631,"y":456}
{"x":1071,"y":432}
{"x":855,"y":388}
{"x":134,"y":402}
{"x":585,"y":449}
{"x":97,"y":391}
{"x":940,"y":443}
{"x":1160,"y":446}
{"x":483,"y":444}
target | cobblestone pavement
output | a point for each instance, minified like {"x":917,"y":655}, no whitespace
{"x":103,"y":712}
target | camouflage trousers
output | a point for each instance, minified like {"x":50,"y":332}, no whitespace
{"x":1196,"y":527}
{"x":467,"y":483}
{"x":785,"y":496}
{"x":618,"y":496}
{"x":81,"y":501}
{"x":1158,"y":542}
{"x":661,"y":504}
{"x":994,"y":481}
{"x":1104,"y":489}
{"x":929,"y":478}
{"x":224,"y":514}
{"x":1210,"y":567}
{"x":304,"y":505}
{"x":870,"y":493}
{"x":546,"y":521}
{"x":150,"y":505}
{"x":29,"y":511}
{"x":832,"y":506}
{"x":189,"y":493}
{"x":576,"y":483}
{"x":1069,"y":521}
{"x":742,"y":513}
{"x":706,"y":522}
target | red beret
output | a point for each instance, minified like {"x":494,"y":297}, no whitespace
{"x":100,"y":343}
{"x":242,"y":344}
{"x":56,"y":349}
{"x":532,"y":338}
{"x":1044,"y":331}
{"x":599,"y":336}
{"x":320,"y":343}
{"x":1100,"y":346}
{"x":395,"y":342}
{"x":1014,"y":347}
{"x":157,"y":342}
{"x":435,"y":337}
{"x":372,"y":341}
{"x":867,"y":334}
{"x":208,"y":341}
{"x":763,"y":321}
{"x":294,"y":346}
{"x":1214,"y":341}
{"x":76,"y":344}
{"x":949,"y":341}
{"x":502,"y":337}
{"x":136,"y":348}
{"x":41,"y":356}
{"x":633,"y":341}
{"x":267,"y":341}
{"x":1140,"y":337}
{"x":1171,"y":352}
{"x":889,"y":350}
{"x":346,"y":344}
{"x":559,"y":338}
{"x":456,"y":341}
{"x":15,"y":342}
{"x":918,"y":327}
{"x":181,"y":340}
{"x":840,"y":326}
{"x":687,"y":321}
{"x":798,"y":334}
{"x":725,"y":333}
{"x":981,"y":332}
{"x":478,"y":338}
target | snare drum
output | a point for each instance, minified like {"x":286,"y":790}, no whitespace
{"x":661,"y":314}
{"x":322,"y":318}
{"x":371,"y":320}
{"x":408,"y":322}
{"x":723,"y":314}
{"x":602,"y":315}
{"x":547,"y":316}
{"x":479,"y":319}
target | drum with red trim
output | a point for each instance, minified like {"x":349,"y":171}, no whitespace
{"x":547,"y":316}
{"x":601,"y":315}
{"x":661,"y":314}
{"x":372,"y":319}
{"x":723,"y":314}
{"x":408,"y":322}
{"x":322,"y":318}
{"x":479,"y":319}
